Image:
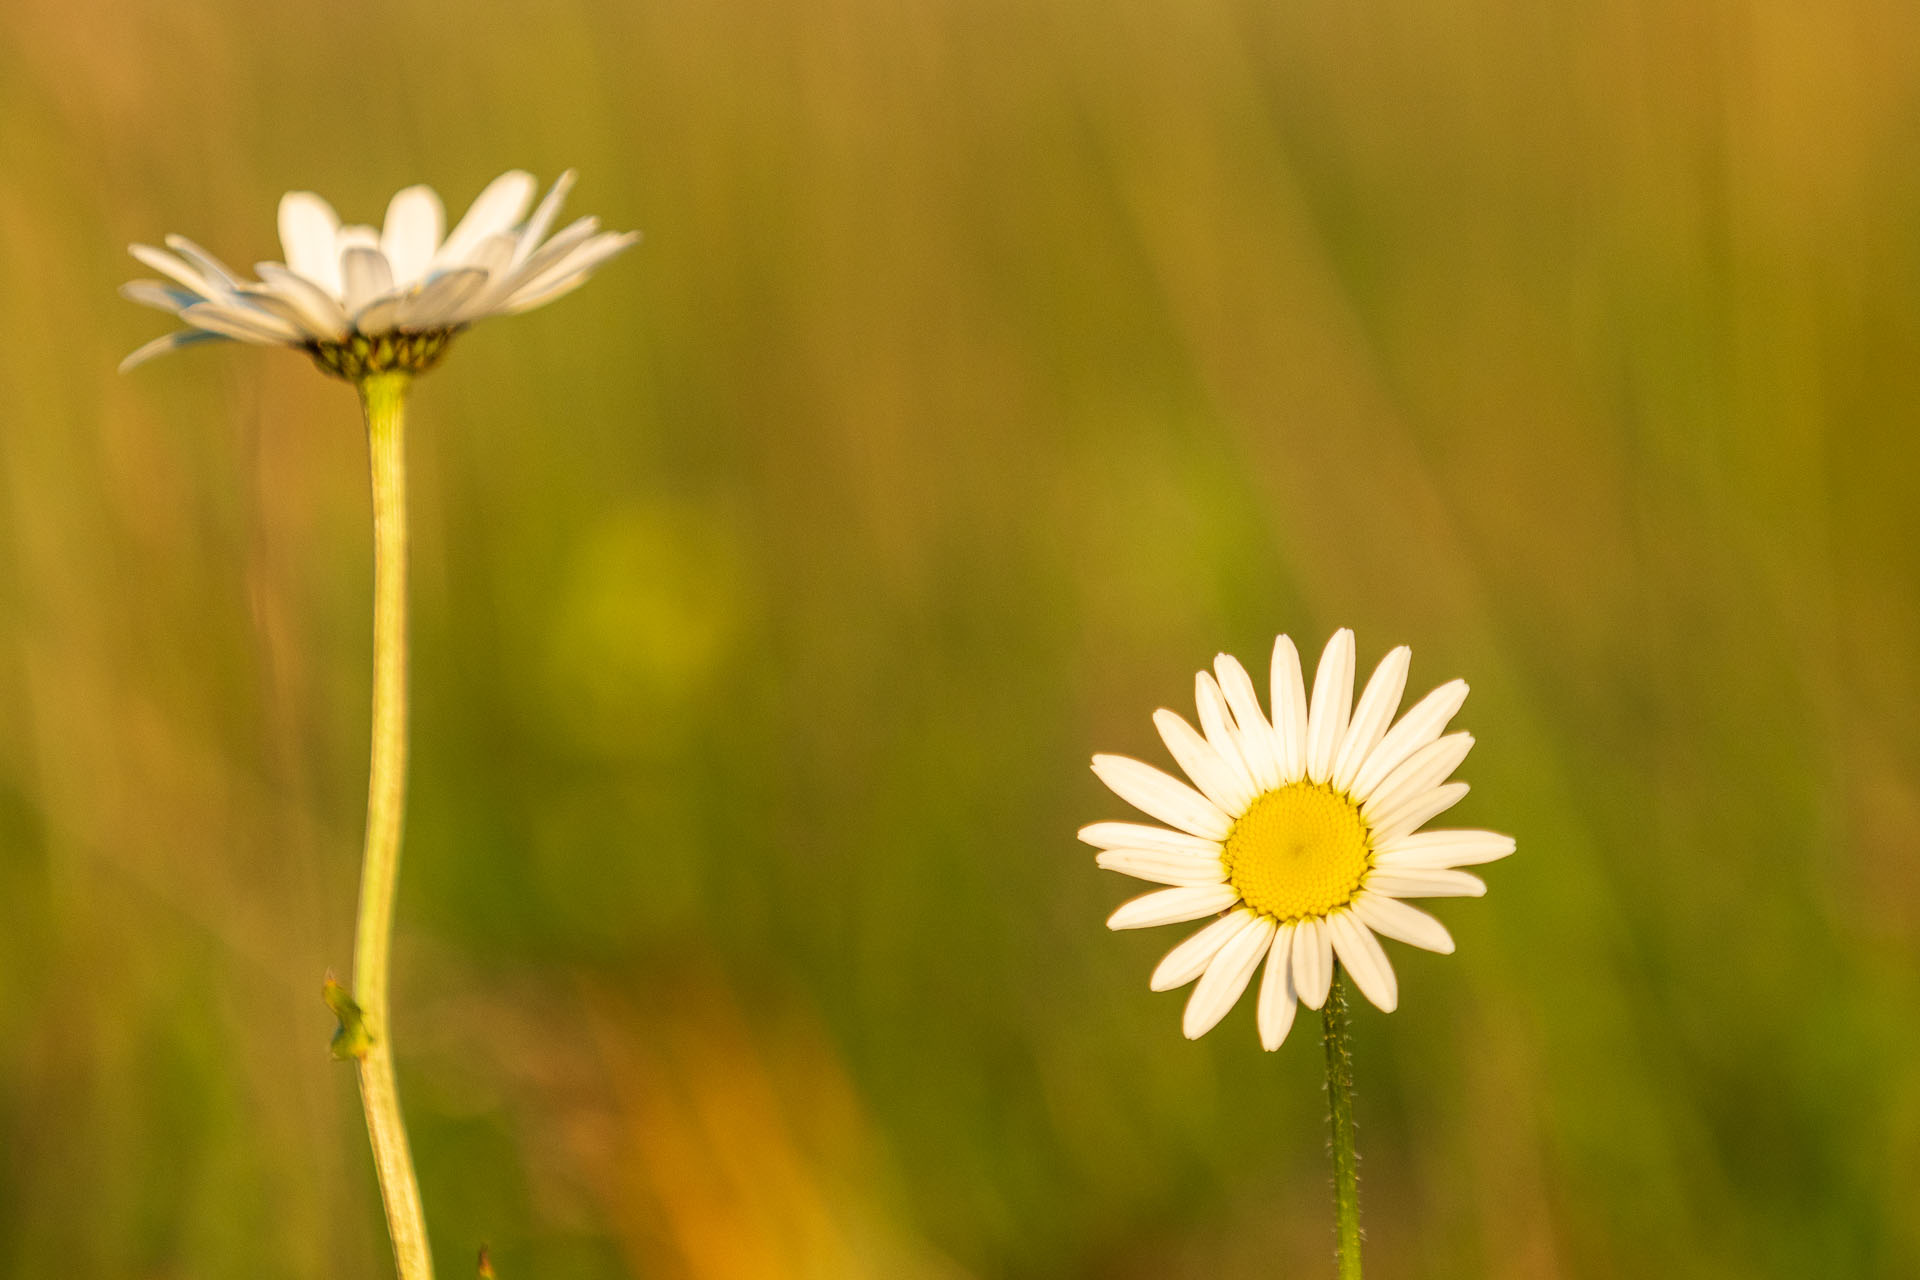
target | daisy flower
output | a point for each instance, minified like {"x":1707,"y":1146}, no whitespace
{"x":362,"y":300}
{"x":1301,"y":834}
{"x":376,"y":307}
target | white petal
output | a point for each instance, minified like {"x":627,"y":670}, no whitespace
{"x":512,"y":273}
{"x":1429,"y":883}
{"x":581,"y":256}
{"x":320,"y":311}
{"x":1443,"y":849}
{"x":1216,"y":780}
{"x":1332,"y":703}
{"x":531,"y":299}
{"x":1162,"y":868}
{"x":1422,"y":771}
{"x":1226,"y":977}
{"x":1361,"y":954}
{"x":510,"y":277}
{"x":365,"y":275}
{"x":1277,"y":1000}
{"x":1397,"y":920}
{"x":267,"y":299}
{"x":216,"y":272}
{"x":161,"y":297}
{"x":235,"y":320}
{"x":307,"y":228}
{"x":411,"y":236}
{"x":570,"y":273}
{"x":542,"y":218}
{"x":1372,"y":716}
{"x":1216,"y":721}
{"x":356,"y":235}
{"x":382,"y":315}
{"x":1289,"y":711}
{"x":160,"y":346}
{"x":442,"y":303}
{"x":495,"y":210}
{"x":1190,"y":959}
{"x":1256,"y":735}
{"x":1159,"y":796}
{"x":1416,"y":729}
{"x":1417,"y":811}
{"x":494,"y":255}
{"x":1312,"y":962}
{"x":1134,"y":835}
{"x":174,"y":269}
{"x":1171,"y":906}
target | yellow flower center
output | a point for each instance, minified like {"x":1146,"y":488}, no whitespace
{"x":1301,"y":850}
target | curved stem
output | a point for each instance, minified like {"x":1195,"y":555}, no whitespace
{"x":383,"y":398}
{"x":1346,"y":1160}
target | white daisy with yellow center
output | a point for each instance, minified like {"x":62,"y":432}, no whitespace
{"x":1304,"y":831}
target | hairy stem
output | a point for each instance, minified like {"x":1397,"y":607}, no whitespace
{"x":1346,"y":1161}
{"x":383,"y":397}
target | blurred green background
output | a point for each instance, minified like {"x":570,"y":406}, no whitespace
{"x":986,"y":368}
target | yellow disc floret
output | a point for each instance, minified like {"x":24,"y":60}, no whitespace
{"x":1298,"y":851}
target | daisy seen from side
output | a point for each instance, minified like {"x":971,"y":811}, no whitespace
{"x":363,"y":300}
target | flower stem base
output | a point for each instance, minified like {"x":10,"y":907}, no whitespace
{"x":1346,"y":1159}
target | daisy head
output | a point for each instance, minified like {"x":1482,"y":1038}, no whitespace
{"x":363,"y":300}
{"x":1300,"y":834}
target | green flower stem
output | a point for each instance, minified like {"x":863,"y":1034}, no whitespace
{"x":1346,"y":1161}
{"x":383,"y":397}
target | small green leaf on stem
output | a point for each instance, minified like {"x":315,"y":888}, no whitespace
{"x":352,"y":1040}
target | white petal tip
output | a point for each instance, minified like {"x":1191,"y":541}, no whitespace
{"x":1268,"y":1040}
{"x":168,"y":342}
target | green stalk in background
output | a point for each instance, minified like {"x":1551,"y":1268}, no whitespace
{"x":1346,"y":1160}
